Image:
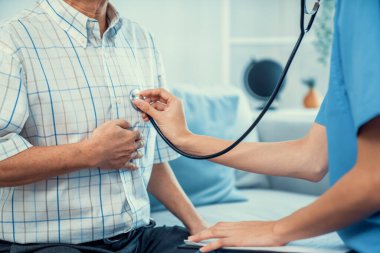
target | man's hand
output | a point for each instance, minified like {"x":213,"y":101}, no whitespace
{"x":113,"y":146}
{"x":239,"y":234}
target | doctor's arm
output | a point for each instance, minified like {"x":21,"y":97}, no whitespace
{"x":353,"y":198}
{"x":305,"y":158}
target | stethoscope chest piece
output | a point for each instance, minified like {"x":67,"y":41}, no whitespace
{"x":133,"y":96}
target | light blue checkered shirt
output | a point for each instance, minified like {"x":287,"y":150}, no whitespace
{"x":59,"y":80}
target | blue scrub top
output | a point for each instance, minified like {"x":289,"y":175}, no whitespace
{"x":353,"y":99}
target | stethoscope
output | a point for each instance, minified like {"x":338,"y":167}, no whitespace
{"x":134,"y":95}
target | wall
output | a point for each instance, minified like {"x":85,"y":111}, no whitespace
{"x":268,"y":29}
{"x":187,"y":31}
{"x":192,"y":38}
{"x":189,"y":35}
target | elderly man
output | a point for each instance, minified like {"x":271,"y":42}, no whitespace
{"x":75,"y":159}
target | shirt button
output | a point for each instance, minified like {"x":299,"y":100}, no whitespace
{"x":118,"y":101}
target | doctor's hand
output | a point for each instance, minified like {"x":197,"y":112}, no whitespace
{"x":239,"y":234}
{"x":167,"y":111}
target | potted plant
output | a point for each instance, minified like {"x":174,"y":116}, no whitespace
{"x":312,"y":99}
{"x":324,"y":28}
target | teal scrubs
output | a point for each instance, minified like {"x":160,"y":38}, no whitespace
{"x":353,"y":99}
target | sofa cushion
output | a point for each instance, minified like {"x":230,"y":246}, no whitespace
{"x":221,"y":112}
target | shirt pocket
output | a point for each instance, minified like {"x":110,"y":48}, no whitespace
{"x":62,"y":115}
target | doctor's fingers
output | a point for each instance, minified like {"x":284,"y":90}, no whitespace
{"x":145,"y":117}
{"x":152,"y":100}
{"x":159,"y":106}
{"x":146,"y":108}
{"x":221,"y":243}
{"x":210,"y":233}
{"x":157,"y":95}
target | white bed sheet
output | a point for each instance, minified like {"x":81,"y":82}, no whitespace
{"x":261,"y":205}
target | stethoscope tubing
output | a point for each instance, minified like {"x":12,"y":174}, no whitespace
{"x":264,"y":110}
{"x":249,"y":130}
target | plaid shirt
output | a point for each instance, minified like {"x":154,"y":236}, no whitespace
{"x":59,"y":80}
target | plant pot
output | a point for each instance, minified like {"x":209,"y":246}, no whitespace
{"x":312,"y":99}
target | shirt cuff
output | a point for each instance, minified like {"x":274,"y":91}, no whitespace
{"x":11,"y":145}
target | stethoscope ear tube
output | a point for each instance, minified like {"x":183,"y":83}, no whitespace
{"x":262,"y":113}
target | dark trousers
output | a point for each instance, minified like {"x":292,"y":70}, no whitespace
{"x":147,"y":239}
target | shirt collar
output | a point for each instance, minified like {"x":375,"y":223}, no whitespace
{"x":79,"y":26}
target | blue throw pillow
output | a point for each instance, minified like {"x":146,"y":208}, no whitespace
{"x":223,"y":113}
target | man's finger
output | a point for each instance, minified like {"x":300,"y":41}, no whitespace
{"x":140,"y":144}
{"x":122,"y":123}
{"x":139,"y":136}
{"x":146,"y":107}
{"x":135,"y":135}
{"x":137,"y":155}
{"x":131,"y":166}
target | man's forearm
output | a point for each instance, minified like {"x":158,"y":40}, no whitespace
{"x":305,"y":158}
{"x":111,"y":146}
{"x":165,"y":187}
{"x":38,"y":163}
